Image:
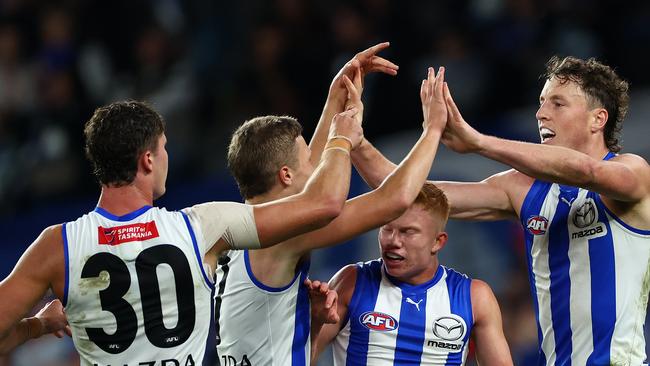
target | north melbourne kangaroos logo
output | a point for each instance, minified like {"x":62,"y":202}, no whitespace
{"x":585,"y":215}
{"x":585,"y":220}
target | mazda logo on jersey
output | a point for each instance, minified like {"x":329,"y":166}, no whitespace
{"x":585,"y":215}
{"x":450,"y":327}
{"x":378,"y":321}
{"x":537,"y":225}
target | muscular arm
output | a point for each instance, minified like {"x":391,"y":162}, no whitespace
{"x":624,"y":178}
{"x":40,"y":268}
{"x":322,"y":335}
{"x":491,"y":346}
{"x":485,"y":200}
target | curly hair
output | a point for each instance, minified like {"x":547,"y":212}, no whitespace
{"x":116,"y":135}
{"x":259,"y":148}
{"x":603,"y":87}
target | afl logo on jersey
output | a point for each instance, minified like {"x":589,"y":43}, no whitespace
{"x":378,"y":321}
{"x":537,"y":225}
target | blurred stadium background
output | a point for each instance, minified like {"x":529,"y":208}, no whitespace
{"x":208,"y":65}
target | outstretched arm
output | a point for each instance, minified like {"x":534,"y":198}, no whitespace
{"x":40,"y":268}
{"x":399,"y":190}
{"x":491,"y":346}
{"x":624,"y":178}
{"x":365,"y":62}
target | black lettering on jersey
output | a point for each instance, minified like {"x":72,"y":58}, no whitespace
{"x":146,"y":263}
{"x":228,"y":360}
{"x":112,"y":298}
{"x":170,"y":362}
{"x":190,"y":361}
{"x":149,"y":363}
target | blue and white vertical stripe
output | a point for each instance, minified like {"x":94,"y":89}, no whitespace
{"x":590,"y":277}
{"x":408,"y":320}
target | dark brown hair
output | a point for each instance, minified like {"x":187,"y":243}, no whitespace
{"x":259,"y":148}
{"x":116,"y":135}
{"x":603,"y":87}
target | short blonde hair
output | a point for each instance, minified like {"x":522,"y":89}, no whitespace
{"x":433,"y":199}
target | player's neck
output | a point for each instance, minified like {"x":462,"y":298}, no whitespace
{"x":125,"y":199}
{"x":275,"y":193}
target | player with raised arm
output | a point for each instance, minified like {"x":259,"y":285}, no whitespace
{"x":261,"y":304}
{"x":405,"y":308}
{"x":584,"y":207}
{"x":135,"y":279}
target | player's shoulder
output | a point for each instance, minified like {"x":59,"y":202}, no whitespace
{"x":631,"y":159}
{"x":480,"y":291}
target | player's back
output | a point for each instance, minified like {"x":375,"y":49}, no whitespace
{"x":136,"y":291}
{"x":258,"y":324}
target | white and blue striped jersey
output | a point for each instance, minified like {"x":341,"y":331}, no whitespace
{"x":258,"y":324}
{"x":590,"y":276}
{"x":394,"y":323}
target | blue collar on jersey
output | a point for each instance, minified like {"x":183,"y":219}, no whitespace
{"x":128,"y":217}
{"x":415,"y":288}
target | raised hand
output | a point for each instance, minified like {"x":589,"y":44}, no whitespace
{"x":346,"y":124}
{"x":323,"y":302}
{"x":53,"y":319}
{"x":363,"y":62}
{"x":459,"y":135}
{"x":354,"y":96}
{"x":432,"y":96}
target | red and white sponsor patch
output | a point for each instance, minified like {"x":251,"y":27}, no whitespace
{"x":123,"y":234}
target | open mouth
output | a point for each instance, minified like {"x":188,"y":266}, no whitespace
{"x":392,"y":257}
{"x":546,"y":134}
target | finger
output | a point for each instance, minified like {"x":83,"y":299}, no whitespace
{"x":307,"y":282}
{"x":315,"y":285}
{"x":431,"y":80}
{"x":358,"y":80}
{"x":368,"y":52}
{"x":423,"y":91}
{"x":440,"y":80}
{"x":324,"y":287}
{"x":353,"y":93}
{"x":377,"y":61}
{"x":451,"y":105}
{"x":332,"y":296}
{"x":350,"y":112}
{"x":68,"y":330}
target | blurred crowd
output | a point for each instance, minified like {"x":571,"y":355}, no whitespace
{"x":209,"y":65}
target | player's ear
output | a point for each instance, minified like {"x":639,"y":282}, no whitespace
{"x":146,"y":161}
{"x":285,"y":176}
{"x":600,"y":117}
{"x":439,"y":243}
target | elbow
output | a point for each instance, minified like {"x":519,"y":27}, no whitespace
{"x":328,"y":210}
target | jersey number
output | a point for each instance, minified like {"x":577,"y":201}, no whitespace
{"x":112,"y":298}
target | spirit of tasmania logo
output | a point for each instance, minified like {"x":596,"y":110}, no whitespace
{"x":123,"y":234}
{"x":537,"y":225}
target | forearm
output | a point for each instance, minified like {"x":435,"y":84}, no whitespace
{"x":319,"y":139}
{"x":405,"y":182}
{"x":371,"y":164}
{"x":548,"y":163}
{"x":23,"y":331}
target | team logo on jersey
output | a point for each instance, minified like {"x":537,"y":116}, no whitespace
{"x":585,"y":220}
{"x":537,"y":225}
{"x":381,"y":322}
{"x":585,"y":215}
{"x":117,"y":235}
